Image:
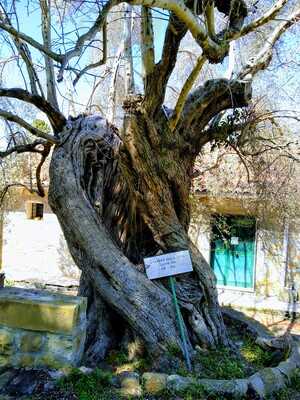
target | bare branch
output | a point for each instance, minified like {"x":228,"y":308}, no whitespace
{"x":23,"y":148}
{"x":100,"y":62}
{"x":32,"y":42}
{"x":36,"y":132}
{"x":147,"y":41}
{"x":264,"y":56}
{"x":56,"y":119}
{"x":111,"y":103}
{"x":89,"y":35}
{"x":6,"y":188}
{"x":264,"y":19}
{"x":216,"y":95}
{"x":25,"y":54}
{"x":45,"y":153}
{"x":185,"y":91}
{"x":128,"y":57}
{"x":214,"y":51}
{"x":46,"y":32}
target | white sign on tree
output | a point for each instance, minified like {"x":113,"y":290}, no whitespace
{"x":168,"y":264}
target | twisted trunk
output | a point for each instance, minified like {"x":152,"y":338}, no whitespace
{"x":117,"y":202}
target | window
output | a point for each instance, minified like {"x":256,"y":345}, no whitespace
{"x":34,"y":210}
{"x":233,"y":250}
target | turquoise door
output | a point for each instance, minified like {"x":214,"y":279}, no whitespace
{"x":232,"y":251}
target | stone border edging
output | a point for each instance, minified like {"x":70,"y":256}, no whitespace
{"x":262,"y":383}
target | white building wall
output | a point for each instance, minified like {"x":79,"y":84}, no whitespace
{"x":36,"y":250}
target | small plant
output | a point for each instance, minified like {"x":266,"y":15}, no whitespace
{"x":221,"y":364}
{"x":295,"y":380}
{"x":174,"y":350}
{"x":95,"y":386}
{"x":255,"y":355}
{"x":117,"y":358}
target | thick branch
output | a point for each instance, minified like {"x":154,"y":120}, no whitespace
{"x":185,"y":91}
{"x":56,"y":119}
{"x":46,"y":32}
{"x":209,"y":12}
{"x":34,"y":131}
{"x":237,"y":92}
{"x":44,"y":153}
{"x":209,"y":100}
{"x":156,"y":83}
{"x":147,"y":42}
{"x":128,"y":56}
{"x":214,"y":51}
{"x":23,"y":148}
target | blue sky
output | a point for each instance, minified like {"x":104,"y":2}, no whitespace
{"x":285,"y":77}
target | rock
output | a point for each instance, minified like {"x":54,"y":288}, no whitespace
{"x":234,"y":388}
{"x":273,"y":380}
{"x":179,"y":383}
{"x":154,"y":382}
{"x":130,"y":384}
{"x":287,"y":368}
{"x":256,"y":386}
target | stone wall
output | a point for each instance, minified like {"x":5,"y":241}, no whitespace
{"x":40,"y":329}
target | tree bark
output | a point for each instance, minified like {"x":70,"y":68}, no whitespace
{"x":119,"y":200}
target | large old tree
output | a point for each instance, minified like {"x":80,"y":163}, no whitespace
{"x":123,"y":194}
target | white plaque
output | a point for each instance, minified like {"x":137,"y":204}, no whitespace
{"x":168,"y":264}
{"x":234,"y":241}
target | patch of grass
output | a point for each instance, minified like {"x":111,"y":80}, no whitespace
{"x":295,"y":380}
{"x":117,"y":358}
{"x":174,"y":350}
{"x":221,"y":364}
{"x":255,"y":355}
{"x":95,"y":386}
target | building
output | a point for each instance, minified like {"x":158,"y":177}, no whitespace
{"x":256,"y":262}
{"x":34,"y":251}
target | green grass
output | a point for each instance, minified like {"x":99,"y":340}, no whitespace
{"x":255,"y":355}
{"x":95,"y":386}
{"x":221,"y":364}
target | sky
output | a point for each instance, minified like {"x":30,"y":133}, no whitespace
{"x":286,"y":77}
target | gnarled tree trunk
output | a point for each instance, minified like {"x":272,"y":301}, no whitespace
{"x":119,"y":200}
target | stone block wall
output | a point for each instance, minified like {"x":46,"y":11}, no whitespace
{"x":41,"y":329}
